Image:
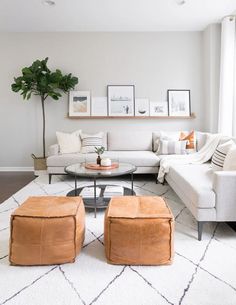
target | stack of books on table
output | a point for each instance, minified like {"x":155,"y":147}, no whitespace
{"x":88,"y":192}
{"x":111,"y":191}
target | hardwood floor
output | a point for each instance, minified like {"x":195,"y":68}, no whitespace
{"x":11,"y":182}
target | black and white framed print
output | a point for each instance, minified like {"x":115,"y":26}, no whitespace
{"x":142,"y":107}
{"x":120,"y":100}
{"x":79,"y":103}
{"x":158,"y":108}
{"x":179,"y":103}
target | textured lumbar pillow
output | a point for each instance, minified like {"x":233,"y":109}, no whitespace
{"x":190,"y":138}
{"x":69,"y":142}
{"x":164,"y":135}
{"x":90,"y":141}
{"x":171,"y":147}
{"x":230,"y":160}
{"x":219,"y":155}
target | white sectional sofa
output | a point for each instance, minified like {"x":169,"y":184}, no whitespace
{"x":130,"y":147}
{"x":210,"y":196}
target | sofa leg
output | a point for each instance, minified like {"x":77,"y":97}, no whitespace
{"x":50,"y":178}
{"x":200,"y":228}
{"x":156,"y":175}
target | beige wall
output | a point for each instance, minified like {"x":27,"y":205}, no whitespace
{"x":153,"y":62}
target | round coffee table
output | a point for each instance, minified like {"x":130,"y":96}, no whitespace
{"x":79,"y":170}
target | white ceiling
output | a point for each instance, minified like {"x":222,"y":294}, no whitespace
{"x":112,"y":15}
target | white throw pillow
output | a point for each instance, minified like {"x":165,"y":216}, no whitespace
{"x":230,"y":160}
{"x":164,"y":135}
{"x":90,"y":141}
{"x":172,"y":147}
{"x":219,"y":155}
{"x":69,"y":142}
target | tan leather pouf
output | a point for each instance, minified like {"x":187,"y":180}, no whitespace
{"x":47,"y":230}
{"x":139,"y":231}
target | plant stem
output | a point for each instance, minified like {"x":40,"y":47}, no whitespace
{"x":43,"y":110}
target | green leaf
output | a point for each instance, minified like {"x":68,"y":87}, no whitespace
{"x":38,"y":79}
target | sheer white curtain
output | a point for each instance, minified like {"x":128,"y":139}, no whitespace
{"x":227,"y":99}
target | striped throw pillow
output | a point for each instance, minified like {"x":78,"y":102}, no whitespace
{"x":90,"y":141}
{"x":218,"y":158}
{"x":172,"y":147}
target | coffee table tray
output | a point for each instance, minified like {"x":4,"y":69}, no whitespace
{"x":100,"y":167}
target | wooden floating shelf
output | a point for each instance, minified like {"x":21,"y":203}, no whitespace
{"x":193,"y":116}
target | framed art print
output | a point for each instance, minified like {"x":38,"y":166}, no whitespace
{"x":141,"y":107}
{"x":158,"y":108}
{"x":99,"y":106}
{"x":179,"y":102}
{"x":79,"y":103}
{"x":120,"y":100}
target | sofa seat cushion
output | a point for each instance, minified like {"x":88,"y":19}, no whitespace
{"x":63,"y":160}
{"x":130,"y":140}
{"x":195,"y":181}
{"x":137,"y":158}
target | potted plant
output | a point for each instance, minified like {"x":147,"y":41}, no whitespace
{"x":39,"y":80}
{"x":99,"y":151}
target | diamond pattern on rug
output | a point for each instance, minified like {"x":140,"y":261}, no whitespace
{"x":129,"y":288}
{"x":58,"y":291}
{"x":5,"y":219}
{"x":187,"y":219}
{"x":220,"y":260}
{"x":56,"y":188}
{"x":13,"y":278}
{"x":171,"y":280}
{"x":186,"y":245}
{"x":90,"y":274}
{"x":32,"y":189}
{"x":8,"y":205}
{"x":4,"y":242}
{"x":157,"y":189}
{"x":95,"y":225}
{"x":207,"y":290}
{"x":202,"y":272}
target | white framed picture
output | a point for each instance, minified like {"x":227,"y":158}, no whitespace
{"x":79,"y":103}
{"x":99,"y":106}
{"x":120,"y":100}
{"x":158,"y":108}
{"x":142,"y":107}
{"x":179,"y":102}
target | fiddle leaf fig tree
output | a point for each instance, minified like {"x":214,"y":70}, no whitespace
{"x":39,"y":80}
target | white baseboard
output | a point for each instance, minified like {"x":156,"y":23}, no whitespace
{"x":16,"y":169}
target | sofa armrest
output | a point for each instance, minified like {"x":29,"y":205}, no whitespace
{"x":224,"y":185}
{"x":53,"y":150}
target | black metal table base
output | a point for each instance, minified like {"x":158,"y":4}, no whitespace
{"x":100,"y":202}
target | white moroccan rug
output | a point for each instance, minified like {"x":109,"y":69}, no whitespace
{"x":203,"y":273}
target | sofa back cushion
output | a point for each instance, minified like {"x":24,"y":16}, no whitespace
{"x":230,"y":159}
{"x":172,"y":147}
{"x":90,"y":141}
{"x":175,"y":135}
{"x":130,"y":140}
{"x":170,"y":135}
{"x":69,"y":142}
{"x":201,"y":138}
{"x":220,"y":154}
